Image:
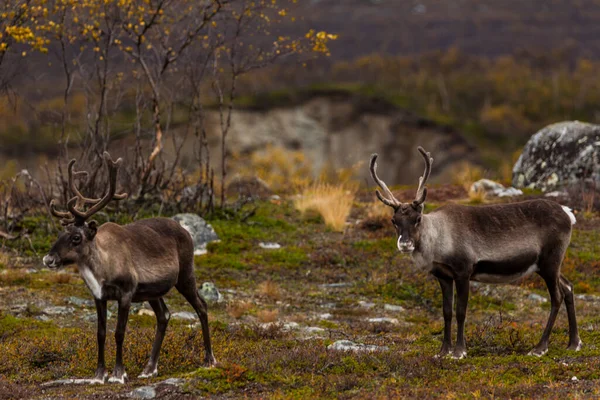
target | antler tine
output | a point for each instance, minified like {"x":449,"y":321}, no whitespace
{"x":422,"y":190}
{"x":113,"y":169}
{"x":83,"y":200}
{"x":66,"y":217}
{"x":390,"y":200}
{"x":86,"y":200}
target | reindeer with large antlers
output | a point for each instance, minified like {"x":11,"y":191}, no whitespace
{"x":498,"y":243}
{"x":137,"y":262}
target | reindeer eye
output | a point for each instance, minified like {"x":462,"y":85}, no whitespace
{"x":76,"y":239}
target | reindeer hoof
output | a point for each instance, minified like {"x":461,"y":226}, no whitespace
{"x":99,"y":379}
{"x":115,"y":379}
{"x":210,"y":362}
{"x":537,"y":353}
{"x":146,"y":375}
{"x":575,"y":346}
{"x":459,"y":355}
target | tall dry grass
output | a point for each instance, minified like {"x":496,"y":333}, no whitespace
{"x":466,"y":174}
{"x":332,"y":201}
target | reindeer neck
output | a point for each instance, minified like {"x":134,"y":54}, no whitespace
{"x":425,"y":248}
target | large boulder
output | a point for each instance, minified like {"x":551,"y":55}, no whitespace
{"x":202,"y":232}
{"x":559,"y":155}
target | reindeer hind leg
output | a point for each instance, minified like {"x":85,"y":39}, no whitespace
{"x":162,"y":320}
{"x":187,"y":288}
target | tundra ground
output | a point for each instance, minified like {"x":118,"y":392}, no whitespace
{"x":284,"y":307}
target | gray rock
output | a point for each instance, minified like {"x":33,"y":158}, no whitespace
{"x":64,"y":382}
{"x":43,"y":318}
{"x":537,"y":297}
{"x":269,"y":245}
{"x":588,"y":297}
{"x":336,"y":285}
{"x":143,"y":392}
{"x":210,"y":293}
{"x":202,"y":232}
{"x":557,"y":193}
{"x":58,"y":310}
{"x":93,"y":317}
{"x":80,"y":302}
{"x":347,"y":345}
{"x":386,"y":320}
{"x":492,"y":188}
{"x":366,"y":304}
{"x":18,"y":308}
{"x":559,"y":155}
{"x":185,"y":315}
{"x":172,"y":382}
{"x":393,"y":308}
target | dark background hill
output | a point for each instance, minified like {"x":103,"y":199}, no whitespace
{"x":489,"y":28}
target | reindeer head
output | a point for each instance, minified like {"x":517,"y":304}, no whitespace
{"x":407,"y":216}
{"x":73,"y":243}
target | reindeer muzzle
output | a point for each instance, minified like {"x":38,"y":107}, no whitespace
{"x":52,"y":261}
{"x":405,"y":246}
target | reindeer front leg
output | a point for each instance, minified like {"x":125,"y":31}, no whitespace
{"x":462,"y":298}
{"x":447,"y":286}
{"x":101,"y":336}
{"x":119,"y":375}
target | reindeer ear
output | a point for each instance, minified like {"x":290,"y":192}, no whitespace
{"x":417,"y":206}
{"x":92,"y":228}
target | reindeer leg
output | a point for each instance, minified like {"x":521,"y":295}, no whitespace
{"x":101,"y":374}
{"x":119,"y":375}
{"x":447,"y":286}
{"x":462,"y":297}
{"x":188,"y":290}
{"x":162,"y":320}
{"x":556,"y":299}
{"x":567,"y":290}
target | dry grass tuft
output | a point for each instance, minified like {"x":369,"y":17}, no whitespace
{"x":332,"y":202}
{"x":270,"y":290}
{"x":60,"y":278}
{"x":378,"y":215}
{"x":267,"y":316}
{"x":477,"y":196}
{"x":465,"y":174}
{"x":236,"y":309}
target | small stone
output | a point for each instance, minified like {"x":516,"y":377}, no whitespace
{"x":31,"y":271}
{"x":336,"y":285}
{"x":574,"y":379}
{"x":143,"y":392}
{"x":325,"y":316}
{"x":210,"y":293}
{"x":144,"y":311}
{"x":393,"y":308}
{"x":269,"y":245}
{"x":384,"y":320}
{"x":93,"y":317}
{"x":313,"y":329}
{"x":365,"y":304}
{"x":202,"y":232}
{"x":556,"y":193}
{"x":58,"y":310}
{"x":172,"y":382}
{"x":536,"y":297}
{"x":347,"y":345}
{"x":185,"y":315}
{"x":80,"y":302}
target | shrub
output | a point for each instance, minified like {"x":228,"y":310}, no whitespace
{"x":332,"y":202}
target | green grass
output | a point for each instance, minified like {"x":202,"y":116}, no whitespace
{"x":275,"y":363}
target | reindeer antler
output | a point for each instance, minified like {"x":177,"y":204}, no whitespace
{"x":422,"y":190}
{"x":79,"y":201}
{"x":389,"y":200}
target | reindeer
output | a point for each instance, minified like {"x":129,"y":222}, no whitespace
{"x":498,"y":243}
{"x":136,"y":262}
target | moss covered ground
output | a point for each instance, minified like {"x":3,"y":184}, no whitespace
{"x":284,"y":307}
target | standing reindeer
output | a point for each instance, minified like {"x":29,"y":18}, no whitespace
{"x":492,"y":244}
{"x":137,"y":262}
